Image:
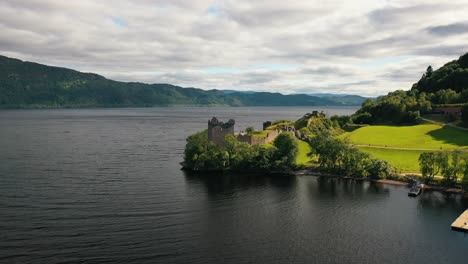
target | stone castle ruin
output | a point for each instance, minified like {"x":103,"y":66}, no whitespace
{"x":217,"y":130}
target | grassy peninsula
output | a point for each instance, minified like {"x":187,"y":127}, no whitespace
{"x":419,"y":131}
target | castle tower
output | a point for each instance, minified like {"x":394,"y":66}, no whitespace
{"x":266,"y":124}
{"x":218,"y":130}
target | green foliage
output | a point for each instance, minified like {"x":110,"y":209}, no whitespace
{"x":202,"y":155}
{"x":249,"y":130}
{"x":447,"y":96}
{"x":451,"y":165}
{"x":286,"y":151}
{"x":339,"y":157}
{"x":447,"y":85}
{"x":342,"y":121}
{"x":280,"y":124}
{"x":314,"y":124}
{"x":453,"y":170}
{"x":453,"y":75}
{"x":431,"y":163}
{"x":399,"y":107}
{"x":465,"y":174}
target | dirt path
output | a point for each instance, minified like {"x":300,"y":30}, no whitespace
{"x":445,"y":124}
{"x":396,"y":148}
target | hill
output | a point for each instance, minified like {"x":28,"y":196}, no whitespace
{"x":453,"y":75}
{"x":32,"y":85}
{"x":447,"y":86}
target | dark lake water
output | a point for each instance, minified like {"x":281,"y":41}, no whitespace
{"x":105,"y":186}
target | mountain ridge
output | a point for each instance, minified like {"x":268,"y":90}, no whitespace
{"x":26,"y":84}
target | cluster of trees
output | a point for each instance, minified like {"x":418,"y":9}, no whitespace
{"x":399,"y":107}
{"x":337,"y":156}
{"x":203,"y":155}
{"x":453,"y":75}
{"x":449,"y":96}
{"x":447,"y":85}
{"x":451,"y":165}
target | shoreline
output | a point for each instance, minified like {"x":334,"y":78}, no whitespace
{"x":447,"y":190}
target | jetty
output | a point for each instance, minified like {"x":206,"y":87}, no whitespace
{"x":461,"y":224}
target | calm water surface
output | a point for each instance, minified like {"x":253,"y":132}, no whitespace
{"x":105,"y":186}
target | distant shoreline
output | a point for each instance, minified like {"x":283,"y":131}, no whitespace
{"x":29,"y":107}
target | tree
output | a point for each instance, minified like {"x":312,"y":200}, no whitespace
{"x":454,"y":169}
{"x":196,"y":145}
{"x":363,"y":118}
{"x":429,"y":71}
{"x":286,"y":151}
{"x":250,"y":130}
{"x":465,"y":174}
{"x":431,"y":163}
{"x":379,"y":169}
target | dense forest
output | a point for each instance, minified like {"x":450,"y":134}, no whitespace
{"x":446,"y":86}
{"x":32,"y":85}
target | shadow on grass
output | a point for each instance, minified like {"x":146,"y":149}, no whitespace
{"x":450,"y":135}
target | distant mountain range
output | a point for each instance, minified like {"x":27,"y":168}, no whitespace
{"x":32,"y":85}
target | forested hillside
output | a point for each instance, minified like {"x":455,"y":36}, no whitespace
{"x":447,"y":86}
{"x":453,"y":76}
{"x":32,"y":85}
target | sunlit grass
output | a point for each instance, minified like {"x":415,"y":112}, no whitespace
{"x":402,"y":160}
{"x":425,"y":136}
{"x":304,"y":149}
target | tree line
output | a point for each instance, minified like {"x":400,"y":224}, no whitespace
{"x":452,"y":166}
{"x":202,"y":155}
{"x":338,"y":157}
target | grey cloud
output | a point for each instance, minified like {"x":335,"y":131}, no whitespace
{"x":442,"y":50}
{"x":326,"y":71}
{"x":446,"y":30}
{"x":174,"y":41}
{"x":258,"y":78}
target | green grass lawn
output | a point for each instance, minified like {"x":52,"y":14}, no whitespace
{"x":425,"y":136}
{"x":260,"y":134}
{"x":304,"y":149}
{"x":402,"y":160}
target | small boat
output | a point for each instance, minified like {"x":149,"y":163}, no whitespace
{"x":415,"y":190}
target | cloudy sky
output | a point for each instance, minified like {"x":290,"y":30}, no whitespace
{"x":367,"y":47}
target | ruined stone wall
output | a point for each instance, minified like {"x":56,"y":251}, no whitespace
{"x":271,"y":136}
{"x":217,"y":130}
{"x":245,"y":138}
{"x":446,"y":111}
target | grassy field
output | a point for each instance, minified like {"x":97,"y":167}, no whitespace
{"x":412,"y":138}
{"x":403,"y":160}
{"x":425,"y":136}
{"x":304,"y":149}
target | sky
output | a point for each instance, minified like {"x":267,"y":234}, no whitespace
{"x":365,"y":47}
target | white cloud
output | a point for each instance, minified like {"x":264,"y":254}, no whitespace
{"x":324,"y":46}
